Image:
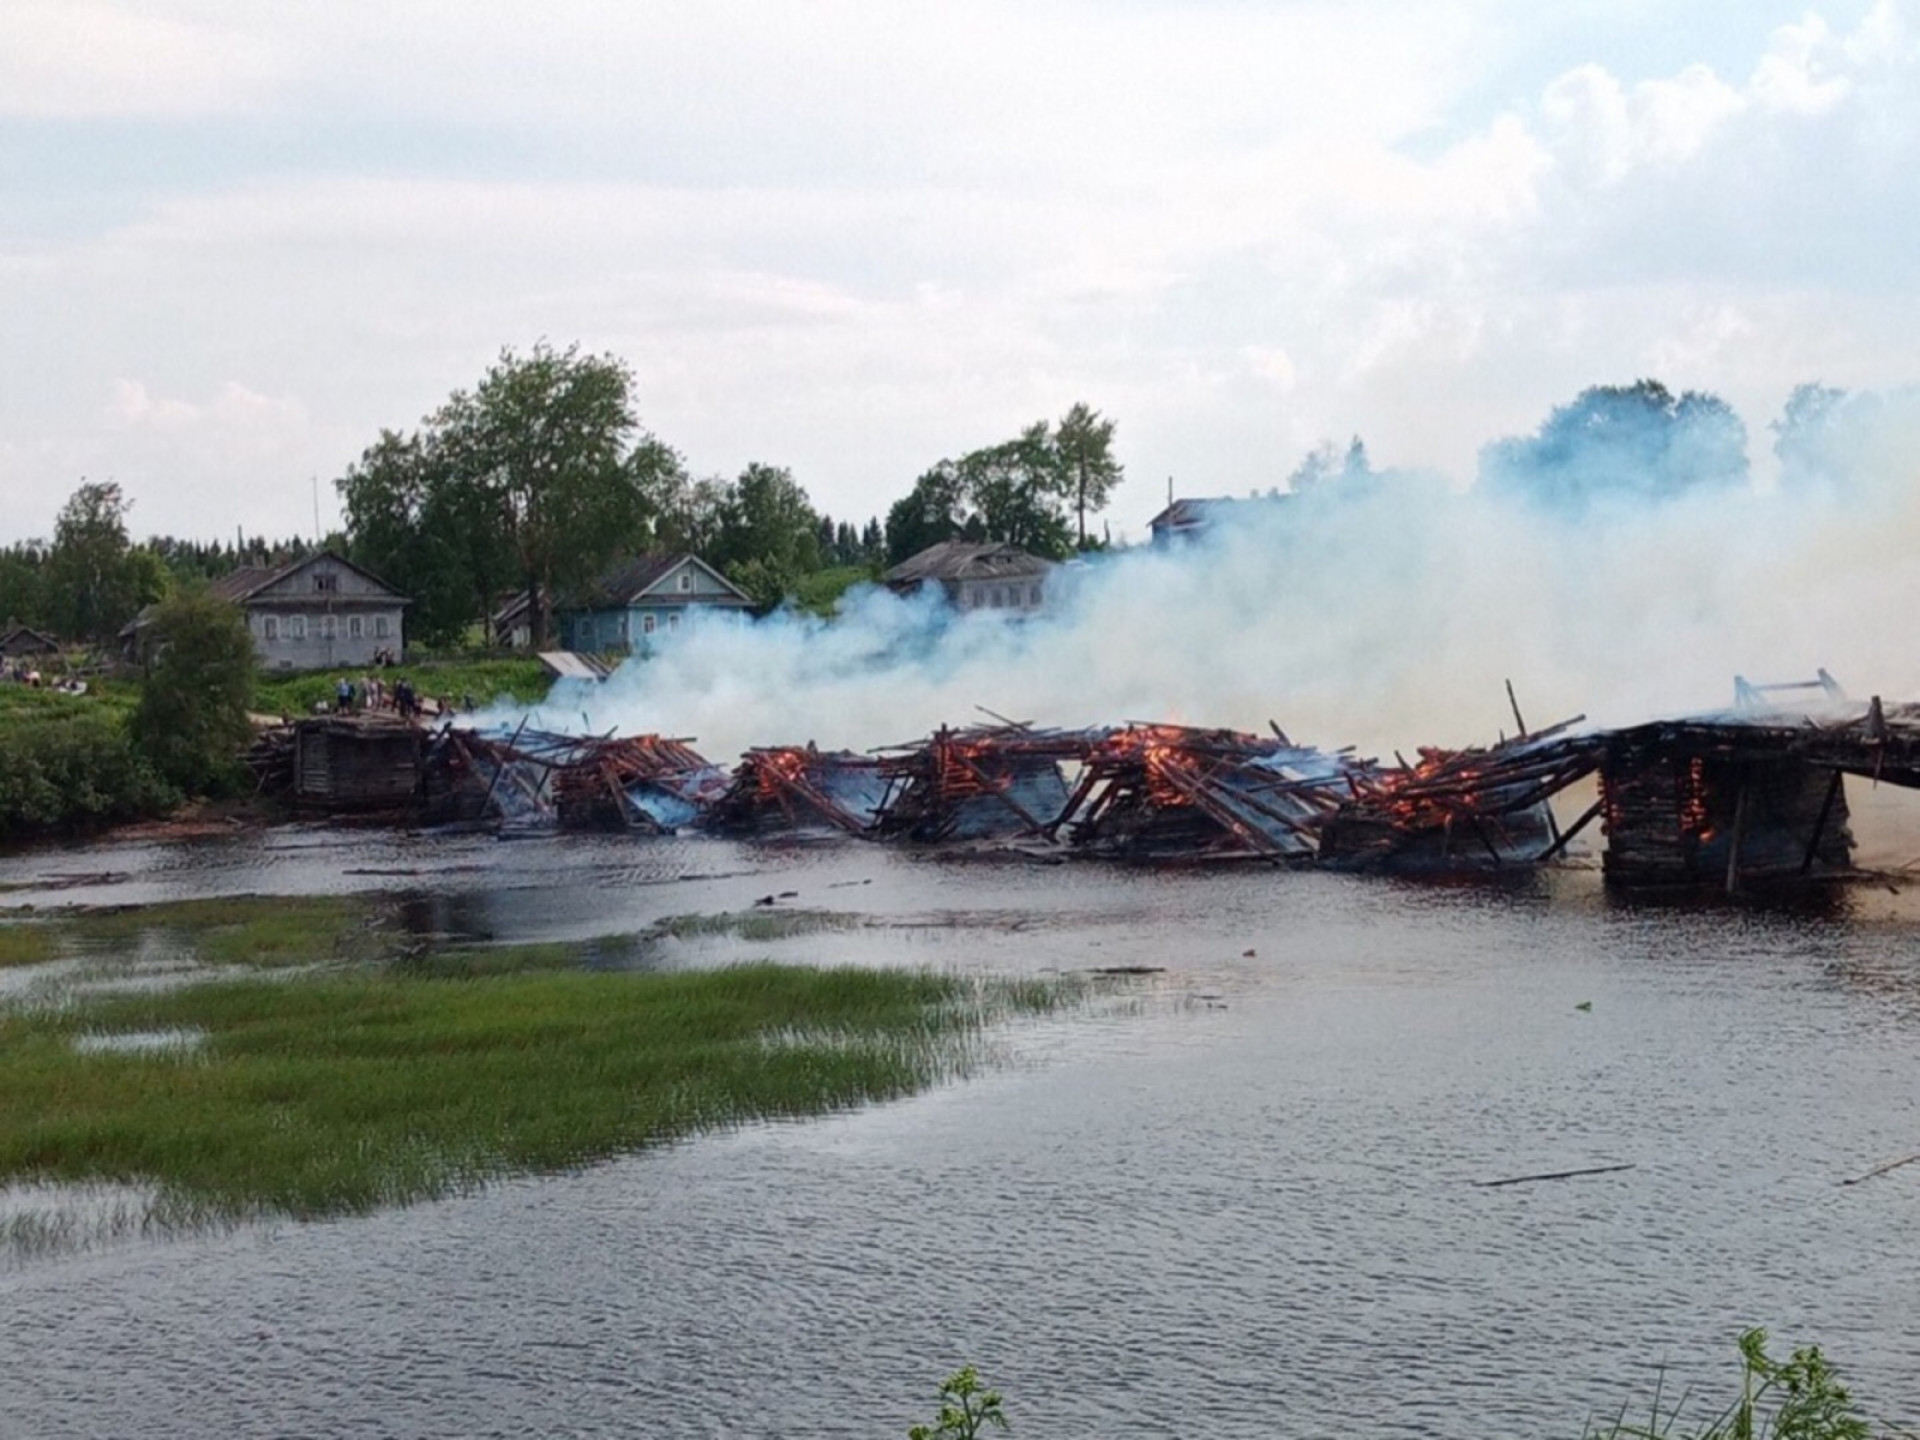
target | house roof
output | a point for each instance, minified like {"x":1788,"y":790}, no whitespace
{"x":1187,"y":512}
{"x":25,"y":640}
{"x":1196,"y":512}
{"x":248,"y":581}
{"x":241,"y":585}
{"x":631,"y":581}
{"x":955,"y":560}
{"x":237,"y":585}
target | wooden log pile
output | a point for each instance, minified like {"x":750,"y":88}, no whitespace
{"x":269,"y":759}
{"x":1166,"y":792}
{"x":799,"y":788}
{"x":985,"y":783}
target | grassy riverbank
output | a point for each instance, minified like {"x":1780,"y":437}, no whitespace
{"x":386,"y":1071}
{"x":522,"y":679}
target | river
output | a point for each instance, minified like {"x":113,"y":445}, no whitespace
{"x":1235,"y":1197}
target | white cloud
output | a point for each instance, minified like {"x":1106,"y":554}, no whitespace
{"x":96,"y":58}
{"x":857,"y":238}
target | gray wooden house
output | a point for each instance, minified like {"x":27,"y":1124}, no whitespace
{"x":319,"y":613}
{"x":976,"y":576}
{"x":652,"y":595}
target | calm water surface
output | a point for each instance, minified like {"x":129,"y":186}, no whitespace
{"x":1236,"y":1198}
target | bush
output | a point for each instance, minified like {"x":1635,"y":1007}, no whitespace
{"x":192,"y":718}
{"x":73,"y":772}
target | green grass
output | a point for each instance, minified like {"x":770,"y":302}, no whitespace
{"x":524,"y":679}
{"x":344,"y":1093}
{"x":1799,"y":1398}
{"x":389,"y":1071}
{"x":23,"y":942}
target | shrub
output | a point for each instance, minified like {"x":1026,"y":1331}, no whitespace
{"x":192,"y":718}
{"x":72,"y":772}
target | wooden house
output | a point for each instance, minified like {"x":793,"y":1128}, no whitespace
{"x":976,"y":576}
{"x":643,"y":598}
{"x":322,"y":612}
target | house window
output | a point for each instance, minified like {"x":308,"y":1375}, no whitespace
{"x":270,"y":628}
{"x":1033,"y":595}
{"x":356,"y":627}
{"x":646,"y":624}
{"x":673,"y":621}
{"x":686,"y":580}
{"x":379,"y":627}
{"x":296,"y":627}
{"x":326,"y":582}
{"x":327,"y":630}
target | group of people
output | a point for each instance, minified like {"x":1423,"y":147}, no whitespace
{"x":373,"y":693}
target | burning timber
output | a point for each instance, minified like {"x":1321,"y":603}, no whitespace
{"x":797,"y":788}
{"x":1462,"y":809}
{"x":1743,"y":798}
{"x":523,"y":780}
{"x":1166,"y":792}
{"x":1000,"y":782}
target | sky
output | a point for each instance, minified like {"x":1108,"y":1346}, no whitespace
{"x":855,"y":236}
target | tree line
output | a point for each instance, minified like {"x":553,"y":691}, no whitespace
{"x":92,"y":578}
{"x":538,"y":478}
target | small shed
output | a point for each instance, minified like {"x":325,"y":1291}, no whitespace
{"x":356,"y":763}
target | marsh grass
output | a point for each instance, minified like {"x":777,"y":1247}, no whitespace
{"x":26,"y":942}
{"x":338,"y":1063}
{"x":341,"y":1093}
{"x":259,"y":931}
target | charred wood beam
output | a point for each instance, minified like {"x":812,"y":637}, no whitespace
{"x":1820,"y":824}
{"x":1565,"y":838}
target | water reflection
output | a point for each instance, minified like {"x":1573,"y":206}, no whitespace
{"x":1239,"y":1201}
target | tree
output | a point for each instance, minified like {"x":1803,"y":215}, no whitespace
{"x":927,"y":514}
{"x":534,"y":480}
{"x":191,"y":721}
{"x":413,"y":526}
{"x":687,"y":513}
{"x":1016,"y":492}
{"x":1327,"y":464}
{"x":541,"y":447}
{"x":769,"y":534}
{"x":1631,"y":442}
{"x":23,"y":592}
{"x":1019,"y":492}
{"x":94,"y":580}
{"x":1083,"y":445}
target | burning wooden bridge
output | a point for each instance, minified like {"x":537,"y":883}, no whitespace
{"x":1747,"y":796}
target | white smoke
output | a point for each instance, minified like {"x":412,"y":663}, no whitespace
{"x":1387,"y":614}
